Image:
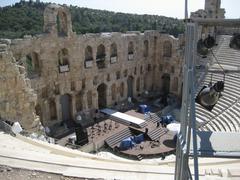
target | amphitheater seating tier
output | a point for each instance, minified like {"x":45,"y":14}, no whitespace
{"x":225,"y":116}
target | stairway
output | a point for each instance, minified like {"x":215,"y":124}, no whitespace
{"x":156,"y":134}
{"x":117,"y":138}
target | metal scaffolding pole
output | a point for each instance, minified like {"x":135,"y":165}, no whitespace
{"x":187,"y":118}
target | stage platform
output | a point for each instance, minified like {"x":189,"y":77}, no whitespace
{"x":124,"y":118}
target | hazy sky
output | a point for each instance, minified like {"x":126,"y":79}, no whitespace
{"x":171,"y":8}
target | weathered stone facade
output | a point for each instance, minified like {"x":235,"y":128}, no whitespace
{"x":80,"y":73}
{"x":17,"y":99}
{"x":212,"y":10}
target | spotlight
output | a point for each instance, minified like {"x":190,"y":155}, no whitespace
{"x":201,"y":49}
{"x":209,"y":42}
{"x":235,"y":41}
{"x":209,"y":95}
{"x":204,"y":45}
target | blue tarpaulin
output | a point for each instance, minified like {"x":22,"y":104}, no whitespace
{"x":127,"y":144}
{"x":143,"y":108}
{"x":138,"y":139}
{"x":167,"y":119}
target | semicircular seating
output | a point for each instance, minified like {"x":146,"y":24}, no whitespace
{"x":225,"y":116}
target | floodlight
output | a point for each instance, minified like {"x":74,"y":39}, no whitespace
{"x":201,"y":49}
{"x":204,"y":45}
{"x":209,"y":95}
{"x":209,"y":42}
{"x":235,"y":41}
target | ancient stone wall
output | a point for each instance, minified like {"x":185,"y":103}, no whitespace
{"x":213,"y":9}
{"x":17,"y":99}
{"x":81,"y":73}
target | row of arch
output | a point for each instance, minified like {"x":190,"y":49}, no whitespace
{"x":83,"y":100}
{"x":34,"y":65}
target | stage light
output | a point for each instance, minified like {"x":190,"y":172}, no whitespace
{"x":203,"y":46}
{"x":201,"y":49}
{"x":209,"y":95}
{"x":235,"y":41}
{"x":209,"y":42}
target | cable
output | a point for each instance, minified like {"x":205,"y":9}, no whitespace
{"x":218,"y":64}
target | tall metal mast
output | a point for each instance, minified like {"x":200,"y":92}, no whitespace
{"x":187,"y":118}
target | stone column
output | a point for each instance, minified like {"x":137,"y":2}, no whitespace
{"x":141,"y":83}
{"x":58,"y":108}
{"x":108,"y":95}
{"x":73,"y":110}
{"x":45,"y":112}
{"x":94,"y":99}
{"x":84,"y":101}
{"x":125,"y":91}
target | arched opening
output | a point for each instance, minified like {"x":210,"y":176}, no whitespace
{"x":89,"y":99}
{"x":130,"y":86}
{"x":130,"y":50}
{"x":100,"y":59}
{"x":166,"y":83}
{"x":148,"y":84}
{"x":79,"y":98}
{"x":175,"y":84}
{"x":118,"y":75}
{"x":66,"y":104}
{"x":167,"y":49}
{"x":63,"y":60}
{"x":88,"y":57}
{"x":138,"y":84}
{"x":52,"y":109}
{"x":62,"y":27}
{"x":113,"y":90}
{"x":38,"y":111}
{"x":141,"y":69}
{"x":113,"y":50}
{"x":125,"y":73}
{"x":122,"y":89}
{"x":102,"y":96}
{"x":146,"y":48}
{"x":33,"y":65}
{"x":113,"y":57}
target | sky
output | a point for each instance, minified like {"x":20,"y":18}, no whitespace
{"x":170,"y":8}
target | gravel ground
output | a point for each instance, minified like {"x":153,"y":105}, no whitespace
{"x":8,"y":173}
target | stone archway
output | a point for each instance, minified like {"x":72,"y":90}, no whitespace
{"x":102,"y":96}
{"x":66,"y":104}
{"x":130,"y":86}
{"x":148,"y":84}
{"x":62,"y":26}
{"x":52,"y":109}
{"x":79,"y":100}
{"x":166,"y":83}
{"x":38,"y":111}
{"x":57,"y":20}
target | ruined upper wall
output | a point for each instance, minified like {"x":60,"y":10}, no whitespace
{"x":17,"y":99}
{"x":212,"y":10}
{"x":61,"y":64}
{"x":57,"y":20}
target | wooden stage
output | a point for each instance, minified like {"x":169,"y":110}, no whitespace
{"x":158,"y":140}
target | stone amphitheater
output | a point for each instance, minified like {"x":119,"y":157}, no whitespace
{"x":81,"y":73}
{"x":69,"y":74}
{"x":225,"y":115}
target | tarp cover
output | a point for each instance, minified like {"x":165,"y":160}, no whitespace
{"x":127,"y":143}
{"x":143,"y":108}
{"x":167,"y":119}
{"x":139,"y":138}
